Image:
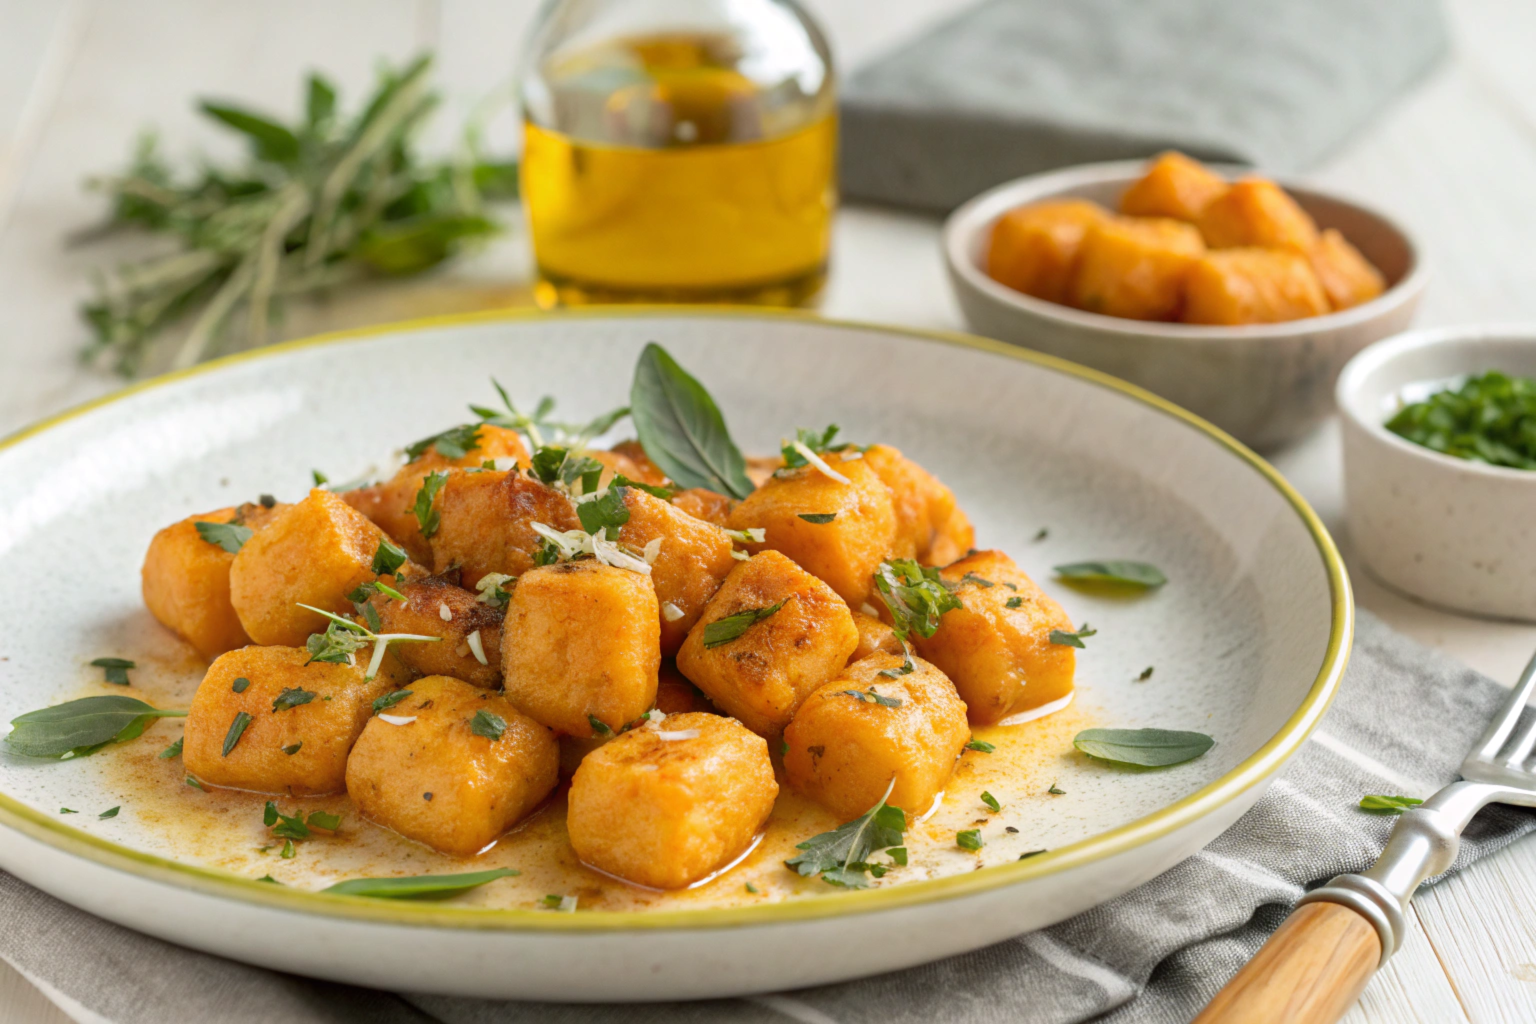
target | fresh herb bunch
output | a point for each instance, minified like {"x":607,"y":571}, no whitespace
{"x":321,"y":203}
{"x":1490,"y":418}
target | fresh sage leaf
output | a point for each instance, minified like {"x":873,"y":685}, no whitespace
{"x":681,"y":428}
{"x":418,"y":887}
{"x":1144,"y":748}
{"x":83,"y":726}
{"x":1117,"y":571}
{"x":838,"y":855}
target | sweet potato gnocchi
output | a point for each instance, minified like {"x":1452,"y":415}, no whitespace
{"x":685,"y":636}
{"x":1185,"y":245}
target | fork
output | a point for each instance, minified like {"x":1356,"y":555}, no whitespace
{"x":1313,"y":968}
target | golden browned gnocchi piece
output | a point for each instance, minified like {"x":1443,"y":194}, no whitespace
{"x":705,"y":505}
{"x":855,"y":734}
{"x":391,"y":504}
{"x":1174,"y":186}
{"x":316,"y":553}
{"x":451,"y":766}
{"x":843,"y":551}
{"x":300,"y":720}
{"x":1252,"y":286}
{"x":1256,"y":212}
{"x":666,"y":806}
{"x":996,"y":647}
{"x":874,"y":636}
{"x":486,"y":522}
{"x":582,"y":643}
{"x":470,"y":629}
{"x":927,"y":516}
{"x":765,"y":668}
{"x":1034,"y":248}
{"x":692,"y":562}
{"x":1347,"y":277}
{"x":1135,"y":267}
{"x":185,"y":579}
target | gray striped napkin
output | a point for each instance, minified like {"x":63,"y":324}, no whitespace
{"x":1156,"y":954}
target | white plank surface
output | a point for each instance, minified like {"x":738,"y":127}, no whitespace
{"x":1457,"y":160}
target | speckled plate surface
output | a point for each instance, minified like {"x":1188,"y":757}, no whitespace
{"x":1248,"y":642}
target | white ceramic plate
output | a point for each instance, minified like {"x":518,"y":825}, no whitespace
{"x":1248,"y":640}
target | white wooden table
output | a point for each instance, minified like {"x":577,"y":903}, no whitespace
{"x":1457,"y":159}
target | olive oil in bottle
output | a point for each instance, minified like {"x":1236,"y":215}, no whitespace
{"x":680,"y":166}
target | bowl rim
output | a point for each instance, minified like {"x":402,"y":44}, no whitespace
{"x":979,"y":213}
{"x":1375,"y":358}
{"x":1251,"y":771}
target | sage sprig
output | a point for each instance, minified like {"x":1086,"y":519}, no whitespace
{"x":681,"y":428}
{"x":321,"y":202}
{"x":1142,"y":748}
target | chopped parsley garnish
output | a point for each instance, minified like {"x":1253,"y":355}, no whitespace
{"x":388,"y":557}
{"x":343,"y":636}
{"x":428,"y":517}
{"x":194,"y":782}
{"x":236,"y":730}
{"x":292,"y":697}
{"x":488,"y":725}
{"x":1119,"y":572}
{"x":1143,"y":748}
{"x":1146,"y":674}
{"x":115,"y":670}
{"x":493,"y":590}
{"x":981,"y":746}
{"x":599,"y":727}
{"x":372,"y":617}
{"x":229,"y":536}
{"x":1031,"y":853}
{"x":818,"y":517}
{"x":1045,"y":531}
{"x":366,"y":590}
{"x":453,"y":443}
{"x":269,"y":878}
{"x":990,"y":801}
{"x":723,"y":631}
{"x":240,"y":684}
{"x":267,"y":501}
{"x":1056,"y":790}
{"x":319,"y":478}
{"x":81,"y":727}
{"x":1013,"y":602}
{"x":916,"y":596}
{"x":664,"y":493}
{"x":605,"y":513}
{"x":548,"y":552}
{"x":841,"y":856}
{"x":816,"y":442}
{"x":898,"y":855}
{"x":1489,"y":418}
{"x":970,"y":839}
{"x":869,"y":696}
{"x":66,"y":810}
{"x":1378,"y":803}
{"x":293,"y":748}
{"x":324,"y":820}
{"x":289,"y":850}
{"x":971,"y":577}
{"x":389,"y":700}
{"x":174,"y":750}
{"x":1062,"y":638}
{"x":752,"y":889}
{"x":110,"y":812}
{"x":546,"y":464}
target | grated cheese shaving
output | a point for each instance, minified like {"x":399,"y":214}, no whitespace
{"x":652,"y":549}
{"x":739,"y":555}
{"x":611,"y":553}
{"x":397,"y":719}
{"x":820,"y":463}
{"x":476,"y":647}
{"x":671,"y":612}
{"x":443,"y":612}
{"x":751,"y":535}
{"x":504,"y":463}
{"x":679,"y":734}
{"x":870,"y":610}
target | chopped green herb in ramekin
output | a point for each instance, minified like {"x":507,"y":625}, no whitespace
{"x":1490,"y":418}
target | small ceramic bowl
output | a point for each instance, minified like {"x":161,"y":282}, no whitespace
{"x":1266,"y":384}
{"x":1448,"y":531}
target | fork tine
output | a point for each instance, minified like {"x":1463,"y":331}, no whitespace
{"x":1499,"y":731}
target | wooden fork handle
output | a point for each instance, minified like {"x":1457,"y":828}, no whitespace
{"x":1309,"y":972}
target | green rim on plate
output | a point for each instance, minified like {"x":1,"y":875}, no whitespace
{"x":1206,"y":800}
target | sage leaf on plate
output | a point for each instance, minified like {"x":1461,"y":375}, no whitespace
{"x":841,"y":856}
{"x":1144,"y":748}
{"x":1117,"y":571}
{"x":418,"y":887}
{"x":81,"y":727}
{"x":681,"y":428}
